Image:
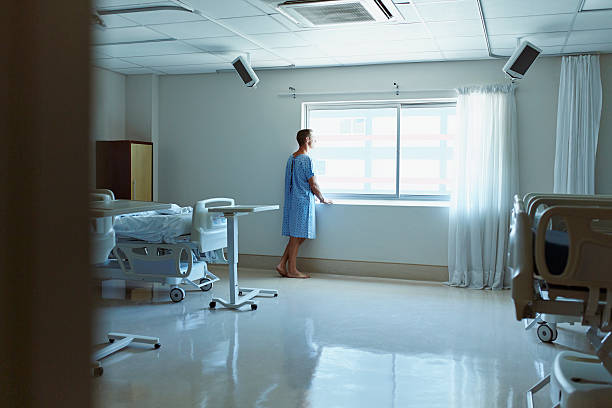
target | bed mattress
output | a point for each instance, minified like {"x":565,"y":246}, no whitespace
{"x":164,"y":226}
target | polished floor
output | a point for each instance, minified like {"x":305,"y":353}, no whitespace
{"x":330,"y":341}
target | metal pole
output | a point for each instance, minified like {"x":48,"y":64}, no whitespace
{"x":232,"y":247}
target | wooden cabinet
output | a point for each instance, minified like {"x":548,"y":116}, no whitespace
{"x":126,"y":168}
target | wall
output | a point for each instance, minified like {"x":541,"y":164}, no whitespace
{"x":108,"y":111}
{"x":141,"y":105}
{"x":218,"y":138}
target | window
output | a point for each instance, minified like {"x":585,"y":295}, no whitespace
{"x":401,"y":151}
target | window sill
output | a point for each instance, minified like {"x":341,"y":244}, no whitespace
{"x":390,"y":203}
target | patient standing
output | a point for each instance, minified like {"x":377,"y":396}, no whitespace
{"x":299,"y":213}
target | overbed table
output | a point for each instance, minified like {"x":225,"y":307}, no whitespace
{"x":119,"y":341}
{"x":236,"y":297}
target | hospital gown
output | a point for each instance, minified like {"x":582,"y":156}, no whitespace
{"x":299,"y":211}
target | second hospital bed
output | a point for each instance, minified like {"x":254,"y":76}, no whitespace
{"x":170,"y":246}
{"x":561,"y":261}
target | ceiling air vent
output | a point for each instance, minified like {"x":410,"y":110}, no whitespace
{"x":318,"y":13}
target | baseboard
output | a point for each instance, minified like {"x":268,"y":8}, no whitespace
{"x":432,"y":273}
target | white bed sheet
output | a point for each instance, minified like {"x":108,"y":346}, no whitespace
{"x":164,"y":226}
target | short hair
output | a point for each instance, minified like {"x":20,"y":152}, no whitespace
{"x":302,"y":135}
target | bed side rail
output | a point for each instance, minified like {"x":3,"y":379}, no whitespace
{"x":533,"y":201}
{"x":520,"y":261}
{"x":206,"y":227}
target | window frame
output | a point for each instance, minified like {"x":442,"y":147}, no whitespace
{"x":307,"y":107}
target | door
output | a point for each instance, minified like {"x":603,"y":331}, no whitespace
{"x":142,"y":172}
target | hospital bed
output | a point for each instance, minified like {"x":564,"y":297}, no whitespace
{"x":169,"y":246}
{"x":535,"y":204}
{"x":560,"y":259}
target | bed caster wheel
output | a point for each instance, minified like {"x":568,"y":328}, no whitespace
{"x":98,"y":371}
{"x":157,"y":345}
{"x":111,"y":340}
{"x":253,"y":306}
{"x":212,"y":305}
{"x":240,"y":293}
{"x":276,"y":295}
{"x":177,"y":294}
{"x":206,"y":287}
{"x":546,"y":333}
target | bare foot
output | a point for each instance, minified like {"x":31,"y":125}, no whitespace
{"x":297,"y":274}
{"x":281,"y":270}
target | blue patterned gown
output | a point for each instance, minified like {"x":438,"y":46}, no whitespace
{"x":299,"y":211}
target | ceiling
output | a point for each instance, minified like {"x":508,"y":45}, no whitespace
{"x":178,"y":42}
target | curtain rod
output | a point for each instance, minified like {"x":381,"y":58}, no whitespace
{"x":394,"y":92}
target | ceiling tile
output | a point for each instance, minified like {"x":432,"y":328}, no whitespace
{"x":466,"y":54}
{"x":461,"y":43}
{"x":545,"y":50}
{"x":116,"y":21}
{"x":300,"y":52}
{"x":377,"y":33}
{"x":162,"y":17}
{"x":96,"y":53}
{"x":596,"y":5}
{"x":255,"y":55}
{"x":454,"y":11}
{"x":456,"y":28}
{"x":388,"y":47}
{"x":407,"y":10}
{"x":125,"y":3}
{"x":590,"y":37}
{"x":594,"y":20}
{"x":225,"y":8}
{"x":179,"y":59}
{"x":137,"y":71}
{"x":280,"y":40}
{"x":607,"y":48}
{"x":197,"y":29}
{"x":113,"y":63}
{"x":256,"y":25}
{"x":222,"y":44}
{"x":389,"y":58}
{"x":278,"y":63}
{"x":517,"y":8}
{"x":540,"y":40}
{"x":534,"y":24}
{"x":193,"y":69}
{"x":137,"y":50}
{"x":125,"y":34}
{"x":315,"y":62}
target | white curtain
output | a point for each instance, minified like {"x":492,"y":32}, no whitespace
{"x":578,"y":115}
{"x":485,"y":182}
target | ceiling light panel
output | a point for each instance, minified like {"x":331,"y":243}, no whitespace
{"x":125,"y":34}
{"x":162,"y":17}
{"x":593,"y":20}
{"x":520,"y":8}
{"x":256,"y":25}
{"x":180,"y":59}
{"x":454,"y":11}
{"x":533,"y":24}
{"x":137,"y":50}
{"x":225,"y":8}
{"x":198,"y":29}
